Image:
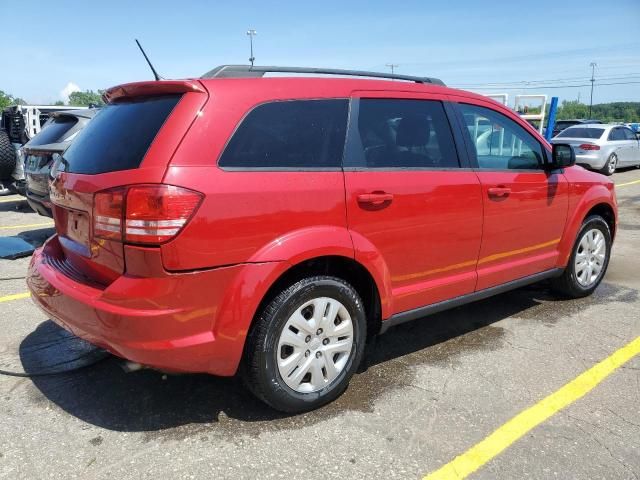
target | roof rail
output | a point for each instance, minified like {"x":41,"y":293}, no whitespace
{"x":247,"y":71}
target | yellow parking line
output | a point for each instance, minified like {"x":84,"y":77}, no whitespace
{"x":474,"y":458}
{"x":29,"y":225}
{"x":628,"y":183}
{"x":16,"y":296}
{"x":14,"y":199}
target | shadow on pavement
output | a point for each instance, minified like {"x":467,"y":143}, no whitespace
{"x":104,"y":395}
{"x":15,"y":205}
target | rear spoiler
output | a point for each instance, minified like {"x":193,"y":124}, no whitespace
{"x":143,"y":89}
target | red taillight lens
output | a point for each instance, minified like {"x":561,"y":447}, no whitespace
{"x":152,"y":214}
{"x":107,"y":214}
{"x":156,"y":213}
{"x":589,"y":146}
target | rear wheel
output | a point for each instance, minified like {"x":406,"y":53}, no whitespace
{"x":306,"y":344}
{"x":7,"y":156}
{"x":589,"y":260}
{"x":611,"y":165}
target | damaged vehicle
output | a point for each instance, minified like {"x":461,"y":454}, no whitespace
{"x":18,"y":125}
{"x":41,"y":151}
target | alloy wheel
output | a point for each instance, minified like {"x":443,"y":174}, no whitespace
{"x":613,"y":162}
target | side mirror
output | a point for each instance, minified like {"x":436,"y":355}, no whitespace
{"x":562,"y":156}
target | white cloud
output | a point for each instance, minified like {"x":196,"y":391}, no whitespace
{"x":68,"y":90}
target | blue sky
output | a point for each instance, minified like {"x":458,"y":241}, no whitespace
{"x":473,"y":44}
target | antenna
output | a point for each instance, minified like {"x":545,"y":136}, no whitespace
{"x":155,"y":74}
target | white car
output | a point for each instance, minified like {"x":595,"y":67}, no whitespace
{"x":602,"y":147}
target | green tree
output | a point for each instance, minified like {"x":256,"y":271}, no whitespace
{"x":59,"y":103}
{"x":86,"y":98}
{"x":7,"y":100}
{"x":606,"y":112}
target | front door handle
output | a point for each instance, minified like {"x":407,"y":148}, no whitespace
{"x":375,"y":199}
{"x":499,"y":192}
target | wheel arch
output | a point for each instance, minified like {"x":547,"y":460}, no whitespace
{"x":598,"y":200}
{"x":339,"y":266}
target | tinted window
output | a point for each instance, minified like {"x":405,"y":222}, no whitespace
{"x":629,"y":135}
{"x":402,"y":134}
{"x":499,"y":142}
{"x":119,"y":135}
{"x":290,"y":134}
{"x":617,"y":134}
{"x":581,"y":132}
{"x":53,"y":131}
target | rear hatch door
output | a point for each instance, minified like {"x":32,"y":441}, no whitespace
{"x":129,"y":142}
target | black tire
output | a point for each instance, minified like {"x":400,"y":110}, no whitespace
{"x":567,"y":284}
{"x":612,"y":160}
{"x":260,"y":369}
{"x":7,"y":156}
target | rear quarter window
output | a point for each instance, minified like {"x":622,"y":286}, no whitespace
{"x":119,"y":135}
{"x":300,"y":134}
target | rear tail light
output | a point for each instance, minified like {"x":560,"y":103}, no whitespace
{"x":107,"y":214}
{"x":589,"y":146}
{"x":148,"y":214}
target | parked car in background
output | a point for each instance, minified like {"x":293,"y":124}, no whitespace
{"x":18,"y":125}
{"x":602,"y":147}
{"x":561,"y":125}
{"x":41,"y":151}
{"x":271,"y":226}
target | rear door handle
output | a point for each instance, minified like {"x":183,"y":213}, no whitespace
{"x":499,"y":192}
{"x":375,"y":198}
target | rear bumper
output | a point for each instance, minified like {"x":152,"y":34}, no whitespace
{"x":166,"y":322}
{"x":594,"y":161}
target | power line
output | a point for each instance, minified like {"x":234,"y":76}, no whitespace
{"x":555,"y":86}
{"x":556,"y":80}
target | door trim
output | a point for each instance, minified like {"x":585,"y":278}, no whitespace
{"x":421,"y":312}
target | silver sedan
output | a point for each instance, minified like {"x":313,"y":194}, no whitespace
{"x":602,"y":147}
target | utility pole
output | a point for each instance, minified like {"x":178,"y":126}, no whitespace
{"x":251,"y":34}
{"x":392,"y":66}
{"x":593,"y":66}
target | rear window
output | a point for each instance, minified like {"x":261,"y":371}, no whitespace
{"x":290,"y":134}
{"x":53,"y":131}
{"x":579,"y":132}
{"x":119,"y":135}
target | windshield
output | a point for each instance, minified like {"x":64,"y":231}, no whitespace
{"x":581,"y":132}
{"x":119,"y":136}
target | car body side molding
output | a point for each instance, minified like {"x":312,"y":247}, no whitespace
{"x":421,"y":312}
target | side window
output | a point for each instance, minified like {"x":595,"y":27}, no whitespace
{"x":629,"y":134}
{"x":500,"y":143}
{"x":290,"y":134}
{"x":616,"y":134}
{"x":402,"y":134}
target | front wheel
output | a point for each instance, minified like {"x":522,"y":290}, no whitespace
{"x":611,"y":165}
{"x":589,"y":260}
{"x":306,"y":344}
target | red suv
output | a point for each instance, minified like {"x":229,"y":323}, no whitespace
{"x":270,"y":226}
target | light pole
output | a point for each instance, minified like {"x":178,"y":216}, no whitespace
{"x":251,"y":34}
{"x":392,"y":66}
{"x":593,"y":66}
